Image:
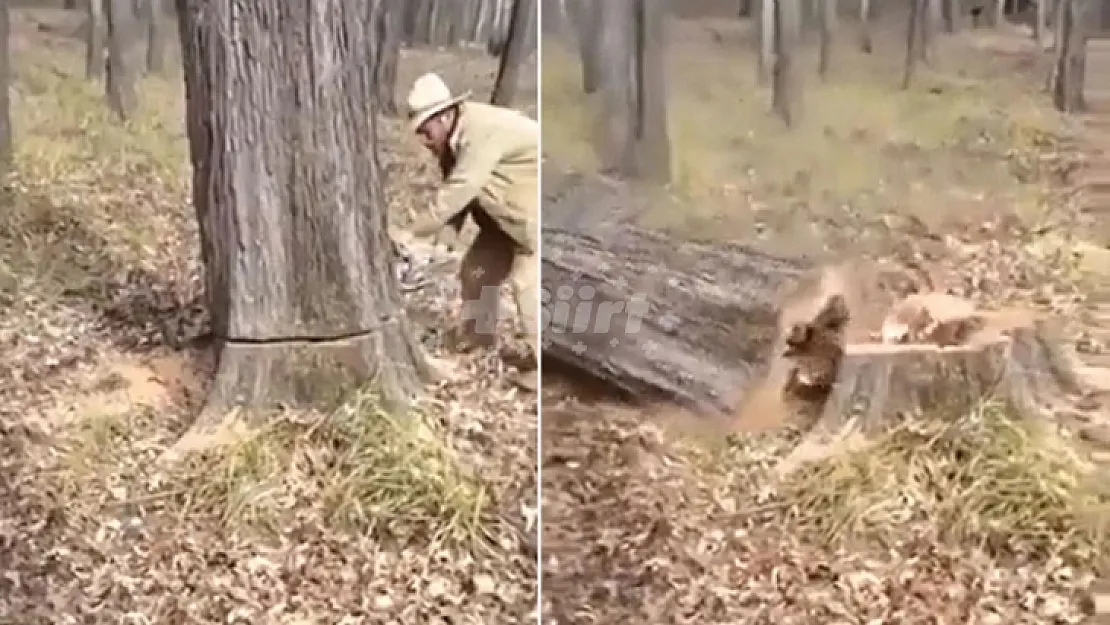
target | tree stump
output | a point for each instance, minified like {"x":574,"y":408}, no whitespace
{"x":1016,"y":360}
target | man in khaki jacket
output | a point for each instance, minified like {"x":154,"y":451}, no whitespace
{"x":489,"y":156}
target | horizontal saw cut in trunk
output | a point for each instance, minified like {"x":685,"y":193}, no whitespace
{"x":289,"y":197}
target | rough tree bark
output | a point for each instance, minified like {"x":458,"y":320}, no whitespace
{"x":516,"y":50}
{"x":6,"y":141}
{"x":287,"y":188}
{"x":787,"y":80}
{"x":686,"y":323}
{"x":120,"y":83}
{"x":865,"y":16}
{"x":914,"y":40}
{"x":386,"y":55}
{"x":94,"y":39}
{"x":156,"y":33}
{"x":1071,"y":56}
{"x":766,"y":40}
{"x":827,"y":15}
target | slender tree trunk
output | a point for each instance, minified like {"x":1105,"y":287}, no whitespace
{"x":913,"y":41}
{"x":865,"y":14}
{"x":949,"y":14}
{"x":827,"y":9}
{"x":1040,"y":23}
{"x":787,"y":80}
{"x":999,"y":13}
{"x":654,"y":149}
{"x":1071,"y":57}
{"x":94,"y":39}
{"x":617,"y":47}
{"x":516,"y":50}
{"x":590,"y":16}
{"x":120,"y":86}
{"x":287,"y":189}
{"x":155,"y":36}
{"x":6,"y":140}
{"x":766,"y":40}
{"x":927,"y":29}
{"x":387,"y":54}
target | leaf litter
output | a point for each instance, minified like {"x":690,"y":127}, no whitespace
{"x":351,"y":517}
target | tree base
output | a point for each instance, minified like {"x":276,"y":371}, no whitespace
{"x":295,"y":374}
{"x":1015,"y":360}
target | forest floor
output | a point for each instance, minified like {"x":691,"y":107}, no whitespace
{"x":352,"y":517}
{"x":973,"y":518}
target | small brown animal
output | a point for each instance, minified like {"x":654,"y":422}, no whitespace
{"x":932,"y":318}
{"x":815,"y":349}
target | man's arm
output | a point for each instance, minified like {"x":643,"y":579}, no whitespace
{"x":471,"y":173}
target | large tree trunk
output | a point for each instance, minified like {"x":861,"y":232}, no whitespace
{"x":516,"y":50}
{"x":387,"y":55}
{"x":287,"y":188}
{"x":6,"y":140}
{"x":94,"y":39}
{"x":120,"y":83}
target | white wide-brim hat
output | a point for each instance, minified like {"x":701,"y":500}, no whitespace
{"x":430,"y":95}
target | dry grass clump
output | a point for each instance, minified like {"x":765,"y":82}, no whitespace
{"x":983,"y":479}
{"x":373,"y":473}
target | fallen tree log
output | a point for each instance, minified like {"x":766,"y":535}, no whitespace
{"x":689,"y":322}
{"x":742,"y":332}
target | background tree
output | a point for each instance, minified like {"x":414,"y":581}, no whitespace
{"x":292,"y":212}
{"x":764,"y":65}
{"x":5,"y":82}
{"x":388,"y":23}
{"x":516,"y":49}
{"x":827,"y":20}
{"x":154,"y":16}
{"x":865,"y":16}
{"x":1071,"y":56}
{"x":120,"y":83}
{"x":633,"y":80}
{"x":914,"y":40}
{"x":590,"y":16}
{"x":786,"y":85}
{"x":94,"y":39}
